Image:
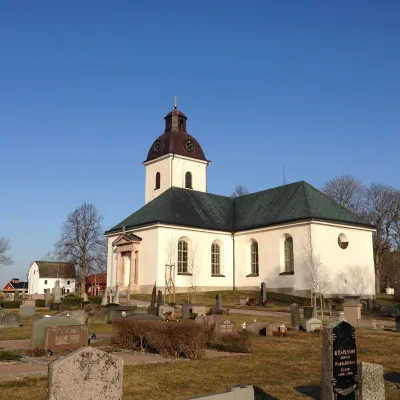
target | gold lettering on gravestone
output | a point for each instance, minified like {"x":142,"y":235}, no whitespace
{"x":66,"y":339}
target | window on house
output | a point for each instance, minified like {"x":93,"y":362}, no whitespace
{"x":45,"y":282}
{"x":182,"y":257}
{"x":67,"y":290}
{"x":158,"y":180}
{"x":188,"y":180}
{"x":289,"y":256}
{"x":254,"y":258}
{"x":215,"y":259}
{"x":68,"y":282}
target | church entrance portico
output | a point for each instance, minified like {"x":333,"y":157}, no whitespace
{"x":127,"y":268}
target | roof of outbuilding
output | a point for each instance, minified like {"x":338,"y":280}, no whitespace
{"x":55,"y":269}
{"x":289,"y":203}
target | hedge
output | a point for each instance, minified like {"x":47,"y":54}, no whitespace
{"x":40,"y":303}
{"x":170,"y":339}
{"x":10,"y":304}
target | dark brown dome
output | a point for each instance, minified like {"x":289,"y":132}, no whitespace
{"x":175,"y":140}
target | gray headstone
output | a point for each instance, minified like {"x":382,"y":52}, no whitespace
{"x":313,"y":325}
{"x":207,"y":322}
{"x":27,"y":311}
{"x":9,"y":320}
{"x":371,"y":382}
{"x":163,"y":309}
{"x":258,"y":328}
{"x":309,"y":313}
{"x":104,"y":299}
{"x":38,"y":330}
{"x":218,"y":303}
{"x":159,"y":298}
{"x":263,"y":293}
{"x":295,"y":316}
{"x":85,"y":297}
{"x":57,"y":292}
{"x":339,"y":363}
{"x":87,"y":373}
{"x":46,"y":298}
{"x":78,"y":315}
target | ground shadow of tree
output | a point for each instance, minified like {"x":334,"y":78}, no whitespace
{"x":259,"y":394}
{"x":393,"y":377}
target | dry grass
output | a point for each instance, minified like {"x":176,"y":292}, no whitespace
{"x":278,"y":366}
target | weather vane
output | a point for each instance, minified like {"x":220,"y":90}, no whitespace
{"x":175,"y":103}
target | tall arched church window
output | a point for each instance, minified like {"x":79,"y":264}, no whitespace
{"x":289,"y":256}
{"x":215,"y":259}
{"x":182,"y":257}
{"x":254,"y":258}
{"x":158,"y":180}
{"x":188,"y":180}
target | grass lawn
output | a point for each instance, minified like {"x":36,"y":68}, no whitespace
{"x":278,"y":366}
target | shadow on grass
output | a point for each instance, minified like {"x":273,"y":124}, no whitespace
{"x":393,"y":377}
{"x":259,"y":394}
{"x":313,"y":391}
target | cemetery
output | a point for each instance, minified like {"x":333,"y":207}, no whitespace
{"x":225,"y":345}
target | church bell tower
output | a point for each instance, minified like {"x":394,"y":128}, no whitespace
{"x":175,"y":159}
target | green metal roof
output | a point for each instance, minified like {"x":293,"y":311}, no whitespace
{"x":294,"y":202}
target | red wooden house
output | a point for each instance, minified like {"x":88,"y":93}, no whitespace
{"x":95,"y":284}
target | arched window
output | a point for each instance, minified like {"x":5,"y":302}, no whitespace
{"x":215,"y":259}
{"x":289,"y":256}
{"x":254,"y":257}
{"x":158,"y":180}
{"x":182,"y":257}
{"x":188,"y":180}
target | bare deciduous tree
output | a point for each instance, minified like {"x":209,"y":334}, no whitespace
{"x":382,"y":204}
{"x":194,"y":265}
{"x":82,"y":241}
{"x":170,"y":268}
{"x":5,"y":257}
{"x":315,"y":269}
{"x":240,"y":190}
{"x":347,"y":191}
{"x":49,"y":256}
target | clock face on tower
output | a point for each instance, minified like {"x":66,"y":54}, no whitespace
{"x":189,"y":145}
{"x":157,"y":147}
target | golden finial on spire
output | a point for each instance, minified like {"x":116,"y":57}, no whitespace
{"x":175,"y":103}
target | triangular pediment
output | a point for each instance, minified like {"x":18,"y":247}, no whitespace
{"x":126,"y":238}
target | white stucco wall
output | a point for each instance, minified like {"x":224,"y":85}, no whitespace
{"x":37,"y":284}
{"x":172,"y":169}
{"x":348,"y":271}
{"x":200,"y":242}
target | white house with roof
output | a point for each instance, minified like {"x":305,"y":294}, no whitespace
{"x":43,"y":275}
{"x":216,"y":242}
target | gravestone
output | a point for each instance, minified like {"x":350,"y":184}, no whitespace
{"x":309,"y":312}
{"x":258,"y":328}
{"x":243,"y":300}
{"x":263,"y":293}
{"x":27,"y":311}
{"x":352,"y":312}
{"x":295,"y":316}
{"x":187,"y":309}
{"x":199,"y":310}
{"x":115,"y":312}
{"x":398,"y":324}
{"x":46,"y":298}
{"x":207,"y":322}
{"x":313,"y":325}
{"x":329,"y":307}
{"x":371,"y":382}
{"x":104,"y":298}
{"x":339,"y":363}
{"x":116,"y":296}
{"x":224,"y":327}
{"x":87,"y":373}
{"x":57,"y":292}
{"x":85,"y":298}
{"x":63,"y":338}
{"x":9,"y":320}
{"x":367,"y":324}
{"x":218,"y":304}
{"x":153,"y":296}
{"x":28,"y":302}
{"x":78,"y":315}
{"x":100,"y":316}
{"x":163,"y":309}
{"x":159,"y":298}
{"x":38,"y":330}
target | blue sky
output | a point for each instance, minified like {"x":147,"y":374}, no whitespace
{"x":84,"y":87}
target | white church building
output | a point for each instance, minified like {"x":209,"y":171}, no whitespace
{"x":281,"y":236}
